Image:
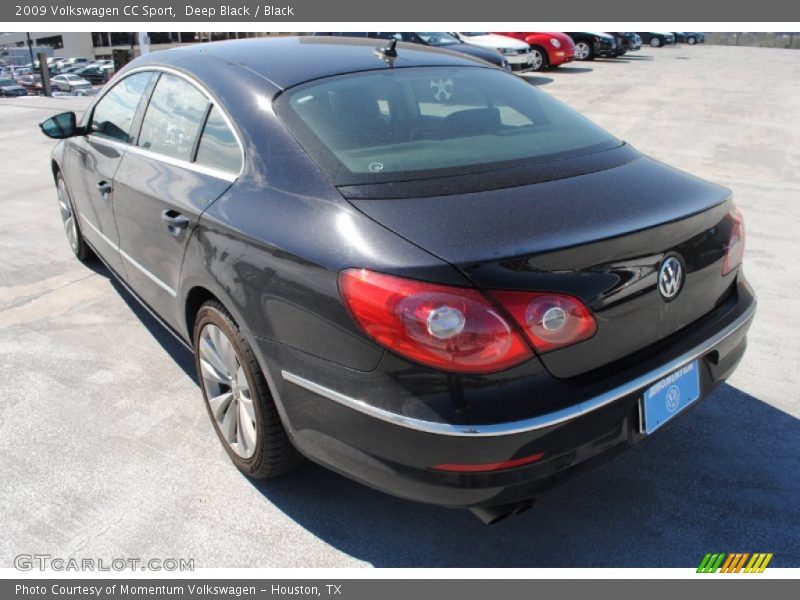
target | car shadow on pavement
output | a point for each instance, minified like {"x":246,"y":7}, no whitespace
{"x":572,"y":70}
{"x":723,"y":478}
{"x":538,"y":79}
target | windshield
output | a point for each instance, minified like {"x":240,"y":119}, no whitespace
{"x":437,"y":38}
{"x":7,"y":82}
{"x":426,"y":122}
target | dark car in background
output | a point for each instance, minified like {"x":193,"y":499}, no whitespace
{"x":657,"y":39}
{"x":592,"y":44}
{"x":9,"y":87}
{"x":626,"y":41}
{"x":689,"y":37}
{"x":435,"y":39}
{"x":94,"y":75}
{"x":407,"y":265}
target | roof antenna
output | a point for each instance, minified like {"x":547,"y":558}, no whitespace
{"x":388,"y":52}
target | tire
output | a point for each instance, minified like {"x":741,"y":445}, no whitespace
{"x":691,"y":40}
{"x":584,"y":50}
{"x":69,"y":218}
{"x":540,"y":59}
{"x":621,"y":53}
{"x":655,"y":42}
{"x":243,"y":406}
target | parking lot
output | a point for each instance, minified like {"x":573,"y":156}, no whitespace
{"x":106,"y":449}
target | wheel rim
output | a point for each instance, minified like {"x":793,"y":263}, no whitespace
{"x":691,"y":41}
{"x":67,"y":215}
{"x":655,"y":42}
{"x":538,"y":60}
{"x":227,"y":391}
{"x":582,"y":50}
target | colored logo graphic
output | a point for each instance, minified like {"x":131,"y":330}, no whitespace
{"x":735,"y":562}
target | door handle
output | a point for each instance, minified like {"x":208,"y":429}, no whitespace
{"x":104,"y":187}
{"x":176,"y":222}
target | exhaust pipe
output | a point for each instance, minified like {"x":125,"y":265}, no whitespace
{"x":490,"y":515}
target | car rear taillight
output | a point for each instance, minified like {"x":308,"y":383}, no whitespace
{"x":449,"y":328}
{"x":549,"y":320}
{"x":734,"y":249}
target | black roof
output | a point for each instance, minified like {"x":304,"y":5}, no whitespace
{"x":291,"y":60}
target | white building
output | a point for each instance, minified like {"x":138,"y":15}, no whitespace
{"x":97,"y":45}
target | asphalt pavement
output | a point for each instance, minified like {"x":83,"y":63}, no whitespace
{"x":106,"y":449}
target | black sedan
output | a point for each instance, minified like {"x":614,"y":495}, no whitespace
{"x":435,"y":39}
{"x":689,"y":37}
{"x":592,"y":44}
{"x":657,"y":39}
{"x":409,"y":266}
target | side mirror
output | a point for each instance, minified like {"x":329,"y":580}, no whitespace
{"x":60,"y":126}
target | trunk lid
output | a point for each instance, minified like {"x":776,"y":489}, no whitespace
{"x":600,"y":236}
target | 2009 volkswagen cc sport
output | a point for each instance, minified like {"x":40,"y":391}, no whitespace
{"x":404,"y":264}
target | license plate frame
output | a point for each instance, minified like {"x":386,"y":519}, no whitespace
{"x":669,"y":396}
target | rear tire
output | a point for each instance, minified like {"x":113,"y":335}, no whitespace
{"x":69,"y":218}
{"x":655,"y":42}
{"x":237,"y":397}
{"x":691,"y":40}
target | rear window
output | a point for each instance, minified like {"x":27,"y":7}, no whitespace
{"x":420,"y":123}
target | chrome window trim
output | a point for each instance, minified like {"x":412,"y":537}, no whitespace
{"x":129,"y":258}
{"x":229,"y":176}
{"x":532,"y":424}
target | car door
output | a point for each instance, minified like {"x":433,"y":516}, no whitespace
{"x":91,"y":161}
{"x":185,"y":157}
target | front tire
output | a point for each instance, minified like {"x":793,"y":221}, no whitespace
{"x":540,"y":60}
{"x":584,"y":51}
{"x":691,"y":40}
{"x":69,"y":218}
{"x":237,"y":397}
{"x":655,"y":42}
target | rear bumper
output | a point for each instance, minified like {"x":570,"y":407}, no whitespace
{"x":395,"y":452}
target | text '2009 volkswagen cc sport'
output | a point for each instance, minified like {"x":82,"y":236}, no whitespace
{"x":407,"y":265}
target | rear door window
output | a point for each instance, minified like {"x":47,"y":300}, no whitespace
{"x":174,"y":117}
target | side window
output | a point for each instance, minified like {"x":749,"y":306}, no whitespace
{"x":218,"y":147}
{"x":173,"y":119}
{"x":113,"y":115}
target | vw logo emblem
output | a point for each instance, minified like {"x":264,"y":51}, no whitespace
{"x":673,"y":398}
{"x":670,"y":278}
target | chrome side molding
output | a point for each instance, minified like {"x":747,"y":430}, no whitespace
{"x":534,"y":423}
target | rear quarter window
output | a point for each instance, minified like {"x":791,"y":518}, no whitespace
{"x":218,"y":147}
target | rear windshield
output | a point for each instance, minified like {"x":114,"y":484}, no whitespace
{"x":407,"y":124}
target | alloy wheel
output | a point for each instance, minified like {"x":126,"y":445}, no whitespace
{"x":538,"y":59}
{"x":68,"y":217}
{"x":582,"y":50}
{"x":228,"y":391}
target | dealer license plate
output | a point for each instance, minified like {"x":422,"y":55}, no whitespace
{"x":669,"y":396}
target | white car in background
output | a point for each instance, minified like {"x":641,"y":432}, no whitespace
{"x":70,"y":83}
{"x":518,"y":54}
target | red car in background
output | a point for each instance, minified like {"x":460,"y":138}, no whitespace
{"x":550,"y":49}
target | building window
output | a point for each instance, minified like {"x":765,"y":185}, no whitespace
{"x":54,"y":41}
